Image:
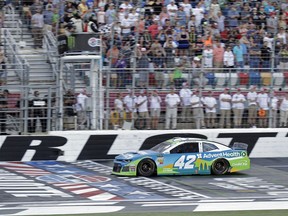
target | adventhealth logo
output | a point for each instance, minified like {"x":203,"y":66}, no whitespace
{"x":222,"y":154}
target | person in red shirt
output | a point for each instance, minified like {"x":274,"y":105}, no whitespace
{"x":153,"y":29}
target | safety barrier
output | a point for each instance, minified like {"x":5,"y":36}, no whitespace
{"x":82,"y":145}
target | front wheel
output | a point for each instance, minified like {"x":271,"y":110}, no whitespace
{"x":220,"y":167}
{"x":146,"y":168}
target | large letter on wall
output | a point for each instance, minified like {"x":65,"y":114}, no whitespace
{"x":36,"y":147}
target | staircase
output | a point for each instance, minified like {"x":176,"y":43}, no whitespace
{"x":40,"y":72}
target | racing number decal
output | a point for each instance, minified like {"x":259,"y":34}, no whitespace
{"x":185,"y":162}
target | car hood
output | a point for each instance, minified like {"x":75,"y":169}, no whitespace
{"x":132,"y":155}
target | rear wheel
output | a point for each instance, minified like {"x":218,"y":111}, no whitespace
{"x":220,"y":167}
{"x":146,"y":167}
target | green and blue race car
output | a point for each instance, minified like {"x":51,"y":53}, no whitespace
{"x":183,"y":156}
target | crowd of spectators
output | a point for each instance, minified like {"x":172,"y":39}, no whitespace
{"x":228,"y":110}
{"x":157,"y":35}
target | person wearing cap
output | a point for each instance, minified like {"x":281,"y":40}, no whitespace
{"x":172,"y":9}
{"x":284,"y":111}
{"x":225,"y":109}
{"x":198,"y":76}
{"x":110,"y":14}
{"x":197,"y":103}
{"x":252,"y":106}
{"x":210,"y":104}
{"x":155,"y":109}
{"x":3,"y":110}
{"x":143,"y":64}
{"x":238,"y":100}
{"x":185,"y":96}
{"x":263,"y":107}
{"x":142,"y":106}
{"x":172,"y":100}
{"x":271,"y":23}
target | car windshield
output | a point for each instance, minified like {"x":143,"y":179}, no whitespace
{"x":161,"y":147}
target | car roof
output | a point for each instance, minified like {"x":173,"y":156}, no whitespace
{"x":176,"y":140}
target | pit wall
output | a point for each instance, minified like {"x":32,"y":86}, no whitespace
{"x":87,"y":145}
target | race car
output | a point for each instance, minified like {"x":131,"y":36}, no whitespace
{"x":183,"y":156}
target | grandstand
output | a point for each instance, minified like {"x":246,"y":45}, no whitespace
{"x":154,"y":45}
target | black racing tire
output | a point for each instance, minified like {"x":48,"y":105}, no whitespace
{"x":220,"y":167}
{"x":146,"y":167}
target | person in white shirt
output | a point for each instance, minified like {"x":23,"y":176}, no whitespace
{"x":81,"y":107}
{"x":273,"y":109}
{"x":172,"y":9}
{"x":142,"y":104}
{"x":155,"y":109}
{"x":187,"y":7}
{"x":126,"y":6}
{"x":210,"y":103}
{"x":130,"y":106}
{"x":284,"y":111}
{"x":208,"y":57}
{"x":228,"y":59}
{"x":197,"y":107}
{"x":238,"y":106}
{"x":252,"y":106}
{"x":126,"y":26}
{"x":225,"y":108}
{"x":263,"y":105}
{"x":119,"y":109}
{"x":185,"y":96}
{"x":172,"y":100}
{"x":133,"y":17}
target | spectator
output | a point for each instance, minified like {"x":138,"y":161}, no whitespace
{"x":238,"y":100}
{"x":37,"y":28}
{"x":185,"y":96}
{"x":218,"y":57}
{"x":197,"y":103}
{"x":228,"y":58}
{"x":172,"y":100}
{"x":3,"y":110}
{"x":208,"y":57}
{"x":183,"y":41}
{"x":38,"y":110}
{"x":143,"y":64}
{"x":198,"y":76}
{"x":178,"y":76}
{"x":233,"y":16}
{"x":239,"y":56}
{"x":225,"y":109}
{"x":143,"y":114}
{"x":252,"y":106}
{"x":155,"y":109}
{"x":284,"y":110}
{"x":283,"y":54}
{"x":69,"y":110}
{"x":130,"y":106}
{"x":119,"y":109}
{"x":172,"y":9}
{"x":110,"y":14}
{"x":273,"y":109}
{"x":48,"y":15}
{"x":255,"y":54}
{"x":266,"y":57}
{"x":210,"y":104}
{"x":3,"y":62}
{"x":81,"y":108}
{"x":263,"y":105}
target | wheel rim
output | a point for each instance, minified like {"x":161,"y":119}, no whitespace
{"x":146,"y":167}
{"x":220,"y":166}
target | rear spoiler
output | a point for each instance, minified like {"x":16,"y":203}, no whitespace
{"x":239,"y":146}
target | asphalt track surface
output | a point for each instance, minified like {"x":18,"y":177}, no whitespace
{"x":47,"y":188}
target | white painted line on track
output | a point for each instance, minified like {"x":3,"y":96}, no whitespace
{"x":277,"y":166}
{"x":208,"y":201}
{"x":62,"y":210}
{"x":85,"y":204}
{"x":242,"y":206}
